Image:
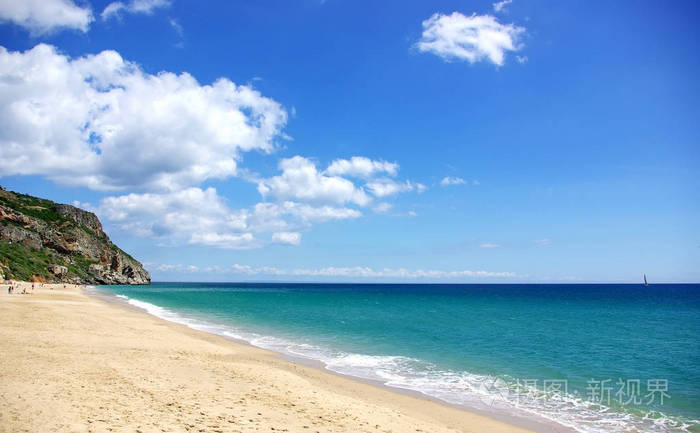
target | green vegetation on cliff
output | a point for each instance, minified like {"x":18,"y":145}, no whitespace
{"x":23,"y":263}
{"x":46,"y":241}
{"x":40,"y":208}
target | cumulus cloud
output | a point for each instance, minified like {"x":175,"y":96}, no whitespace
{"x":101,"y":122}
{"x":202,"y":217}
{"x":301,"y":180}
{"x":362,"y":167}
{"x":301,"y":196}
{"x":447,"y":181}
{"x":385,"y":187}
{"x":309,"y":214}
{"x":193,"y":216}
{"x":115,"y":9}
{"x":332,"y":271}
{"x":45,"y":16}
{"x":290,"y":238}
{"x":242,"y":241}
{"x":472,"y":38}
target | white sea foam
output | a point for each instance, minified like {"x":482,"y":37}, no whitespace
{"x":486,"y":393}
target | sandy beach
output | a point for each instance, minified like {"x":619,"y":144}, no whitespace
{"x":73,"y":363}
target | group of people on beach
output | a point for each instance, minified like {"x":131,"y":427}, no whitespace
{"x":11,"y":286}
{"x":16,"y":286}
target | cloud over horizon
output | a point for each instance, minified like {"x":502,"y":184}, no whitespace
{"x":301,"y":197}
{"x":333,"y":271}
{"x":196,"y":216}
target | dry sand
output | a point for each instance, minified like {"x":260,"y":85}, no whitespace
{"x":72,"y":363}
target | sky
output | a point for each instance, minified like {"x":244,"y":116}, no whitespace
{"x":365,"y":141}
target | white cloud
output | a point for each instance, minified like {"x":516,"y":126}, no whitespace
{"x":176,"y":26}
{"x":353,"y":272}
{"x":476,"y":182}
{"x":290,"y":238}
{"x":301,"y":180}
{"x":446,"y":181}
{"x":383,"y":207}
{"x":101,"y":122}
{"x":385,"y":187}
{"x":115,"y":9}
{"x":473,"y":38}
{"x":396,"y":273}
{"x":192,"y":216}
{"x":543,"y":242}
{"x":521,"y":59}
{"x":362,"y":167}
{"x":489,"y":245}
{"x":202,"y":217}
{"x":501,"y":5}
{"x":304,"y":197}
{"x":45,"y":16}
{"x":243,"y":241}
{"x":310,"y":214}
{"x":175,"y":268}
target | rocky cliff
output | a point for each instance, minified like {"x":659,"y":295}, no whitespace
{"x":44,"y":241}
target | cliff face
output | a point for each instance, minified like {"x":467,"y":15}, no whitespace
{"x":44,"y":241}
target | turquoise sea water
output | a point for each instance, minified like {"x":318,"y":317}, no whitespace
{"x":589,"y":358}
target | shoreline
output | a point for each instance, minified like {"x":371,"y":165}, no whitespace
{"x":72,"y":362}
{"x":535,"y":425}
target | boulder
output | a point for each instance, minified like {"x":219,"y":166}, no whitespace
{"x":58,"y":270}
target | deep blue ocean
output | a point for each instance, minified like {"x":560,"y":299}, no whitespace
{"x":593,"y":358}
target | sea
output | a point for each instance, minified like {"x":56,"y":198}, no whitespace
{"x":566,"y":357}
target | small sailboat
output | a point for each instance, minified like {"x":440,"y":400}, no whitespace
{"x":645,"y":280}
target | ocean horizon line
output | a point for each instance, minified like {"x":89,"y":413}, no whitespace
{"x":443,"y":283}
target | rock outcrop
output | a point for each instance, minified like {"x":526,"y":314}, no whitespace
{"x":44,"y":241}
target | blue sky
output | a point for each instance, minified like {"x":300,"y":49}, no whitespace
{"x":365,"y":141}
